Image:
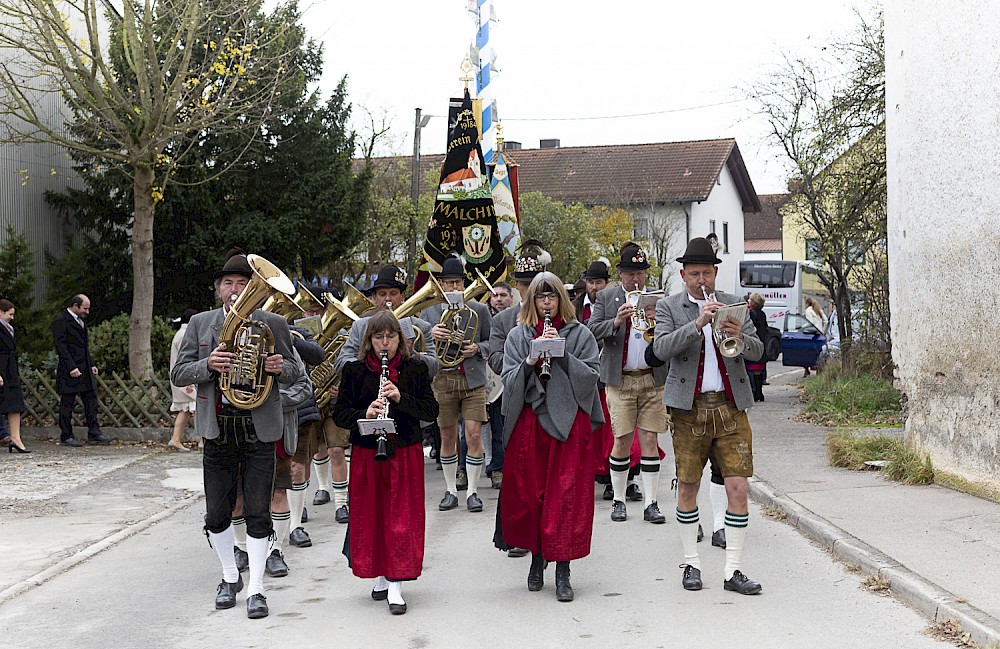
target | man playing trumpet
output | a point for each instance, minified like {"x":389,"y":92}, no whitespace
{"x":708,"y":395}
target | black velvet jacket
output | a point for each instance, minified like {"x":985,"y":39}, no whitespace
{"x":359,"y":387}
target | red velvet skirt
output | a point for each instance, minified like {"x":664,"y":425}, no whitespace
{"x":547,"y":499}
{"x":387,"y":513}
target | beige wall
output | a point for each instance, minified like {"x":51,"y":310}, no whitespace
{"x":943,"y":111}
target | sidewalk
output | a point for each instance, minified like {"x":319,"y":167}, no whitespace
{"x":939,"y":548}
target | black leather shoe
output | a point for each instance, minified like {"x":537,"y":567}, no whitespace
{"x":379,"y":595}
{"x":618,"y":513}
{"x":653,"y":515}
{"x":741,"y":584}
{"x":564,"y":591}
{"x":300,"y":538}
{"x":701,"y":533}
{"x":536,"y":573}
{"x":632,"y":493}
{"x":256,"y":607}
{"x":397,"y":609}
{"x":71,"y":442}
{"x":450,"y":501}
{"x":305,"y":515}
{"x":225,"y":597}
{"x":609,"y":492}
{"x":516,"y":553}
{"x":322,"y":497}
{"x":99,"y":439}
{"x":342,"y":515}
{"x":474,"y":503}
{"x":242,"y":559}
{"x":692,"y":578}
{"x":719,"y":538}
{"x":275,"y":565}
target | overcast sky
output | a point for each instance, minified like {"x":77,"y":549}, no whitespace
{"x":561,"y":61}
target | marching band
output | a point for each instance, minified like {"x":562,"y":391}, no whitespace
{"x":295,"y":379}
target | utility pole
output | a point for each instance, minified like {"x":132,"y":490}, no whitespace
{"x":419,"y":123}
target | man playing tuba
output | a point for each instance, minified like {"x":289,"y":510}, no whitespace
{"x":461,"y":389}
{"x":239,"y":444}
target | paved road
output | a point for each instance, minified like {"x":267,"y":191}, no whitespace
{"x":155,"y":586}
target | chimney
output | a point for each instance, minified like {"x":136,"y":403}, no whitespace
{"x":511,"y":145}
{"x":548,"y":144}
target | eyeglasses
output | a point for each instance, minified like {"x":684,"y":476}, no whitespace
{"x":385,"y":337}
{"x":542,"y":297}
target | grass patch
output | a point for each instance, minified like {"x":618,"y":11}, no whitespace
{"x":838,"y":398}
{"x":950,"y":631}
{"x":877,"y":584}
{"x":776,"y":513}
{"x":849,"y":451}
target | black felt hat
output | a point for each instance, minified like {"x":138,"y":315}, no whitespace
{"x":699,"y":251}
{"x":452,"y":268}
{"x":597,"y":270}
{"x":388,"y":277}
{"x":633,"y":258}
{"x":235,"y":264}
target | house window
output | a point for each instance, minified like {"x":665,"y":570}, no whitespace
{"x":711,"y":226}
{"x":642,"y":228}
{"x":725,"y":237}
{"x":813,"y":250}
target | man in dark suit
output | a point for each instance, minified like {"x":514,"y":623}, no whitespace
{"x":76,"y":374}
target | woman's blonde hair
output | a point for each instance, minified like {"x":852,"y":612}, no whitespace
{"x":383,"y":321}
{"x":546,"y":282}
{"x":756,"y":301}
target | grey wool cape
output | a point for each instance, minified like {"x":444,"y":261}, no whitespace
{"x":572,"y":387}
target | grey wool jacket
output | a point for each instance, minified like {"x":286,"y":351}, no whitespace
{"x":572,"y":387}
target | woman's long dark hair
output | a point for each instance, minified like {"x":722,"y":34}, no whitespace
{"x":383,"y":321}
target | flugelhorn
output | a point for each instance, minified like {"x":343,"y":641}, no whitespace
{"x":728,"y":346}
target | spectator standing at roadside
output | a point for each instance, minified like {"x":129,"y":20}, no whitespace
{"x":76,"y":374}
{"x":184,"y":399}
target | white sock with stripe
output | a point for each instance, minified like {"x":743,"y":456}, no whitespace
{"x":282,"y":522}
{"x":240,"y":533}
{"x":649,"y":468}
{"x":717,"y":494}
{"x":474,"y":468}
{"x":736,"y":534}
{"x":321,"y":469}
{"x":689,"y":536}
{"x":619,"y":475}
{"x":449,"y":467}
{"x":296,"y":501}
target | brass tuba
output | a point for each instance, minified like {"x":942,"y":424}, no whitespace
{"x":293,"y":307}
{"x":246,"y":384}
{"x":480,"y":286}
{"x":338,"y":315}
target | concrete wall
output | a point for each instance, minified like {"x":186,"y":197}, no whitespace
{"x":943,"y":116}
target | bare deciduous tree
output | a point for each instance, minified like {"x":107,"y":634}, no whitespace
{"x":143,"y":85}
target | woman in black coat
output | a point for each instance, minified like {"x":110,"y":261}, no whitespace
{"x":386,"y":526}
{"x":11,"y":398}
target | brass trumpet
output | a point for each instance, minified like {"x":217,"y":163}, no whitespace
{"x":729,"y":346}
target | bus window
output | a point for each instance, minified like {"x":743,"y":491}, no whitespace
{"x":767,"y":274}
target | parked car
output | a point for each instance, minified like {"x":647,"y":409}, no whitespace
{"x":801,"y":342}
{"x":831,"y":346}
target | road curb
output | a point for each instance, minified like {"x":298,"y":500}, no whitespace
{"x":94,"y":549}
{"x":927,"y":597}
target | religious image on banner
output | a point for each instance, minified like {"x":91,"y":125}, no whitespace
{"x":464,"y":219}
{"x":503,"y":203}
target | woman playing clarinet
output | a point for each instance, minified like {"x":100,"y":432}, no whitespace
{"x":551,"y":408}
{"x":385,"y":539}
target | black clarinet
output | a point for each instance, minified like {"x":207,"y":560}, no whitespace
{"x":545,"y":373}
{"x":382,"y":453}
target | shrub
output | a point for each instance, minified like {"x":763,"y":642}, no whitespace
{"x":851,"y":452}
{"x":838,"y":397}
{"x":109,"y":344}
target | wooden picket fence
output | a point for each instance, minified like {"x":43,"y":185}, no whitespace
{"x":122,"y":402}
